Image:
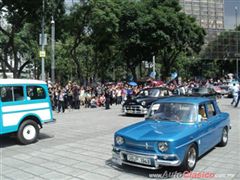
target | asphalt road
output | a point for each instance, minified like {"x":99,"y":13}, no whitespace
{"x":79,"y":144}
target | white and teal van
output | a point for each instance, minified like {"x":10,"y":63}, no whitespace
{"x":24,"y":108}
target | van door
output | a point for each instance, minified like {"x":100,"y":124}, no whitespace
{"x":11,"y":97}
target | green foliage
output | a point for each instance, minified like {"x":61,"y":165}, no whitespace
{"x":104,"y":39}
{"x":19,"y":32}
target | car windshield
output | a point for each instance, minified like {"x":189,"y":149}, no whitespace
{"x":181,"y":112}
{"x":152,"y":93}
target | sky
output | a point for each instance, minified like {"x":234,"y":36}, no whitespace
{"x":230,"y":16}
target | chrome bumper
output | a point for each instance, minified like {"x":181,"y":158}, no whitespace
{"x":134,"y":109}
{"x":118,"y":157}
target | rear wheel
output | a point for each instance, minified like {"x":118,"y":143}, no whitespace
{"x":224,"y":139}
{"x":190,"y":159}
{"x":28,"y":132}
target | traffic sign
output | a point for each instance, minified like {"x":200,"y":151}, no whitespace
{"x":42,"y":54}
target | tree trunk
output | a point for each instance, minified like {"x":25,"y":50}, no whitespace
{"x":133,"y":71}
{"x":4,"y":67}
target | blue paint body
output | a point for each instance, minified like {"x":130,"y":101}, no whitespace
{"x":143,"y":137}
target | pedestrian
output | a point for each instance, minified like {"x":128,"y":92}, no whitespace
{"x":234,"y":93}
{"x":107,"y":97}
{"x":238,"y":99}
{"x":61,"y":104}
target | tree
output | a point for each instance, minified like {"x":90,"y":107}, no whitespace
{"x":19,"y":32}
{"x":171,"y":32}
{"x":157,"y":28}
{"x":93,"y":24}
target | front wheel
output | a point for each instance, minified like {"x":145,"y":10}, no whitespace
{"x":190,"y":159}
{"x":224,"y":139}
{"x":28,"y":132}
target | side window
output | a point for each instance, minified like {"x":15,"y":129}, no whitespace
{"x":211,"y":110}
{"x":12,"y":93}
{"x":35,"y":92}
{"x":202,"y":111}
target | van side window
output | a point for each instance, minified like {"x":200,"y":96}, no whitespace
{"x":35,"y":92}
{"x":12,"y":93}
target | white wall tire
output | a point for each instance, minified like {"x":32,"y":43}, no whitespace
{"x":28,"y":132}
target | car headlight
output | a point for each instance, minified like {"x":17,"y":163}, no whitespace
{"x":143,"y":103}
{"x":163,"y":146}
{"x":119,"y":140}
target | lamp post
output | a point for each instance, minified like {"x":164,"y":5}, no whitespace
{"x":236,"y":14}
{"x":154,"y":67}
{"x":43,"y":43}
{"x":53,"y":50}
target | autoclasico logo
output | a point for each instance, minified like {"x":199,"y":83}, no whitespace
{"x":185,"y":174}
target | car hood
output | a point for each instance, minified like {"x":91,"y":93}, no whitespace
{"x":153,"y":130}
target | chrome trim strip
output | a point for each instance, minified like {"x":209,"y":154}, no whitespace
{"x":195,"y":139}
{"x":141,"y":145}
{"x":142,"y":153}
{"x":141,"y":166}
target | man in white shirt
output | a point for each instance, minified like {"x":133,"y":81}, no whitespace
{"x":235,"y":94}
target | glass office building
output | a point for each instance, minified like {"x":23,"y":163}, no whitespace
{"x":208,"y":13}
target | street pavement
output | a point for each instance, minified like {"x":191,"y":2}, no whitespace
{"x":79,"y":144}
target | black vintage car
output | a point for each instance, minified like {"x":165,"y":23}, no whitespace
{"x":140,"y":103}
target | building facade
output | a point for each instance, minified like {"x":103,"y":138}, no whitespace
{"x":208,"y":13}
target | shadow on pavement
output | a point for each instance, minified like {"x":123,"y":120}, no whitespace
{"x":164,"y":172}
{"x":132,"y":115}
{"x":7,"y":140}
{"x":11,"y":139}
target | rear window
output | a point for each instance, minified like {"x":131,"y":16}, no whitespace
{"x":11,"y":93}
{"x":35,"y":92}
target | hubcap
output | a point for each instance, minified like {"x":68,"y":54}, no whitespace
{"x":225,"y":136}
{"x":29,"y":132}
{"x":192,"y":157}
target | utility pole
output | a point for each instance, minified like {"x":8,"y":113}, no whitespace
{"x":154,"y":67}
{"x":53,"y":50}
{"x":236,"y":13}
{"x":42,"y":41}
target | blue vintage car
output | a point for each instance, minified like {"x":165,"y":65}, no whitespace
{"x":176,"y":132}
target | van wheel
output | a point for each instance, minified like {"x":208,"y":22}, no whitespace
{"x":28,"y":132}
{"x":190,"y":159}
{"x":224,"y":139}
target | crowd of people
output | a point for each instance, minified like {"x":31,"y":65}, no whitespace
{"x":74,"y":96}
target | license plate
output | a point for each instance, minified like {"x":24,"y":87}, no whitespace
{"x":129,"y":111}
{"x":138,"y":159}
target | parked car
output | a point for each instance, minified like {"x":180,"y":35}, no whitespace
{"x":140,"y":103}
{"x":225,"y":91}
{"x":204,"y":92}
{"x":24,"y":108}
{"x":177,"y":131}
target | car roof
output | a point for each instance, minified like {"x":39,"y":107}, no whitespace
{"x":20,"y":81}
{"x":183,"y":99}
